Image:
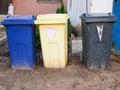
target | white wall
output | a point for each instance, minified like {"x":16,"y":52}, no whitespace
{"x":101,"y":6}
{"x":78,"y":7}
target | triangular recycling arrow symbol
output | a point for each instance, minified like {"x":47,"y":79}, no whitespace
{"x":50,"y":33}
{"x":100,"y":31}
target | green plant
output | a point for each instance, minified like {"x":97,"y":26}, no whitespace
{"x":62,"y":10}
{"x":37,"y":37}
{"x":69,"y":28}
{"x":2,"y":28}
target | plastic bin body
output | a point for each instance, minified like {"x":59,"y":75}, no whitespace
{"x":116,"y":8}
{"x":97,"y":39}
{"x":53,"y":35}
{"x":21,"y":41}
{"x":116,"y":28}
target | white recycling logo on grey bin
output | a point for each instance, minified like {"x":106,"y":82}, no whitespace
{"x":100,"y":31}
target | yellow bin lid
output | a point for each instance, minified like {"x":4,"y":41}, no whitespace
{"x":51,"y":19}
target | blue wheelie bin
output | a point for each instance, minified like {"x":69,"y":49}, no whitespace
{"x":21,"y":41}
{"x":116,"y":27}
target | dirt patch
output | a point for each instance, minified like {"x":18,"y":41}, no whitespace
{"x":74,"y":77}
{"x":115,"y":57}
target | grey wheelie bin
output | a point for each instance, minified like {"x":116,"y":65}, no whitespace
{"x":97,"y":39}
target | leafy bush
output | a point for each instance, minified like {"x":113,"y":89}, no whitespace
{"x":62,"y":10}
{"x":37,"y":37}
{"x":69,"y":28}
{"x":2,"y":28}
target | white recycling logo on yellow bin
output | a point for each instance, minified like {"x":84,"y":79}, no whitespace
{"x":50,"y":33}
{"x":100,"y":31}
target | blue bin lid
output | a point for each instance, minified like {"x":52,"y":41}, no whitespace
{"x":13,"y":20}
{"x":98,"y":17}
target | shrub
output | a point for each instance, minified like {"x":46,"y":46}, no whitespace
{"x":62,"y":10}
{"x":38,"y":44}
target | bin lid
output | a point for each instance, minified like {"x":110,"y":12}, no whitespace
{"x":51,"y":19}
{"x":10,"y":20}
{"x":98,"y":17}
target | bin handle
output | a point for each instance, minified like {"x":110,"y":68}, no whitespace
{"x":86,"y":15}
{"x":110,"y":14}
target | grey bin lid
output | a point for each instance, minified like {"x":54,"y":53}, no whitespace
{"x":98,"y":17}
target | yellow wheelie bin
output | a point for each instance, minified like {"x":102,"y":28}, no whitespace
{"x":53,"y":35}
